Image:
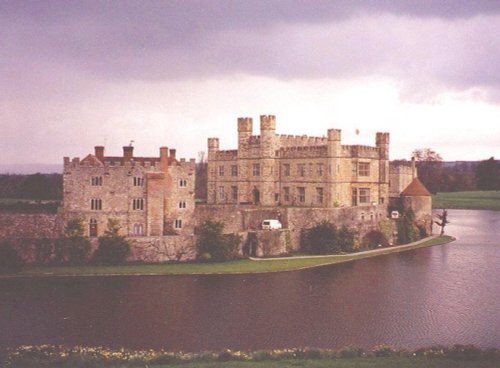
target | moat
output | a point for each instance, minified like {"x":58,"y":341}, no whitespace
{"x":445,"y":294}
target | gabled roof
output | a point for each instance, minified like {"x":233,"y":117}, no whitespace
{"x":416,"y":189}
{"x":92,"y":160}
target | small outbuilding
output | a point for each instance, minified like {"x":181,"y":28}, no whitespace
{"x":416,"y":197}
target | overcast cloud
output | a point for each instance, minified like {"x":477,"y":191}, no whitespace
{"x":76,"y":74}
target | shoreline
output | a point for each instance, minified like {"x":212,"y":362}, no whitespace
{"x":250,"y":266}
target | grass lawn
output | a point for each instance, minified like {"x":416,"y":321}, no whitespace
{"x":240,"y":266}
{"x":485,"y":200}
{"x":391,"y":362}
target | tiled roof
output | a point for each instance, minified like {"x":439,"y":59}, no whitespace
{"x":416,"y":189}
{"x":92,"y":160}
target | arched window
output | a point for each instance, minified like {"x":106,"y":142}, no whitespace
{"x":138,"y":229}
{"x":93,"y":228}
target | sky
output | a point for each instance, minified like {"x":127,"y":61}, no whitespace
{"x":75,"y":74}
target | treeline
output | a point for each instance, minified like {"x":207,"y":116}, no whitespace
{"x":441,"y":176}
{"x":36,"y":186}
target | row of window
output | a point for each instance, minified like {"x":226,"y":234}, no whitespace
{"x":139,"y":181}
{"x":358,"y":169}
{"x":359,"y":195}
{"x":137,"y":204}
{"x":137,"y":229}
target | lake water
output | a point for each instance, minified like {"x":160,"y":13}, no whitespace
{"x":439,"y":295}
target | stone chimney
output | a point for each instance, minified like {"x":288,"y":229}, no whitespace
{"x":99,"y":153}
{"x":128,"y":153}
{"x":164,"y":159}
{"x":172,"y":153}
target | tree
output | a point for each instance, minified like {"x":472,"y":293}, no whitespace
{"x":429,"y":168}
{"x":322,"y":239}
{"x":407,"y":230}
{"x":76,"y":246}
{"x":346,"y":238}
{"x":113,"y":248}
{"x":488,"y":175}
{"x":443,"y":221}
{"x":214,"y":245}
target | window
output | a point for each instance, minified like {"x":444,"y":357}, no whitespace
{"x":319,"y":195}
{"x":221,"y":170}
{"x":286,"y":194}
{"x":138,"y":204}
{"x":286,"y":169}
{"x":364,"y":195}
{"x":96,"y":204}
{"x":96,"y":180}
{"x":364,"y":169}
{"x":138,"y":229}
{"x":301,"y":169}
{"x":182,"y":204}
{"x":183,"y":183}
{"x":222,"y":195}
{"x":178,"y":224}
{"x":234,"y":194}
{"x":234,"y":170}
{"x":302,"y":194}
{"x":319,"y":169}
{"x":138,"y":181}
{"x":256,"y":169}
{"x":93,"y":228}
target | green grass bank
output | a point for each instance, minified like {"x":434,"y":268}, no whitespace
{"x":480,"y":200}
{"x":232,"y":267}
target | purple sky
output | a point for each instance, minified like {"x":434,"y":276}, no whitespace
{"x":78,"y":74}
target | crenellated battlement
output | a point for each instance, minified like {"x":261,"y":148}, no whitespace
{"x":360,"y":151}
{"x":300,"y":140}
{"x":227,"y":155}
{"x":302,"y":152}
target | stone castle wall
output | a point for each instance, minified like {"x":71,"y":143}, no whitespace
{"x":20,"y":225}
{"x":273,"y":170}
{"x":241,"y":219}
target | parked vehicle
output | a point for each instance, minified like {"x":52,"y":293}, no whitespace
{"x":271,"y":225}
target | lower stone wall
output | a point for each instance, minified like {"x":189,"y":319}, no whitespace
{"x":143,"y":249}
{"x":163,"y":248}
{"x":39,"y":225}
{"x":239,"y":219}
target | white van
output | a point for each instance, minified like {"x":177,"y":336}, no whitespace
{"x":271,"y":225}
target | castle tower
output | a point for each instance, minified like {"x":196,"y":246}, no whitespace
{"x":213,"y":148}
{"x":382,"y":143}
{"x":245,"y":129}
{"x":268,"y":146}
{"x":334,"y":148}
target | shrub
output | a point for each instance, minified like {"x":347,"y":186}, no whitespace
{"x":373,"y":239}
{"x":351,"y":352}
{"x":10,"y":261}
{"x":213,"y":245}
{"x":384,"y":351}
{"x":346,"y":238}
{"x":113,"y":248}
{"x":322,"y":239}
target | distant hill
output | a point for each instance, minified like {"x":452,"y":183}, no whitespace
{"x":31,"y":168}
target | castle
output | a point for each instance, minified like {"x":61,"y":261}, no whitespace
{"x":149,"y":196}
{"x":299,"y":180}
{"x":283,"y":170}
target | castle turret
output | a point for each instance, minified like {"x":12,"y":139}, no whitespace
{"x":164,"y":159}
{"x":382,"y":143}
{"x":268,"y":148}
{"x":334,"y":136}
{"x":213,"y":148}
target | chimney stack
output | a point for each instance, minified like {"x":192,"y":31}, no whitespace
{"x":99,"y":153}
{"x":128,"y":153}
{"x":164,"y":159}
{"x":172,"y":153}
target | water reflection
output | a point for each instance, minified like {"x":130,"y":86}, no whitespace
{"x":441,"y":295}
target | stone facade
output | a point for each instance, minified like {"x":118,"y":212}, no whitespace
{"x":401,"y":174}
{"x":240,"y":219}
{"x":273,"y":170}
{"x":23,"y":225}
{"x":149,"y":196}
